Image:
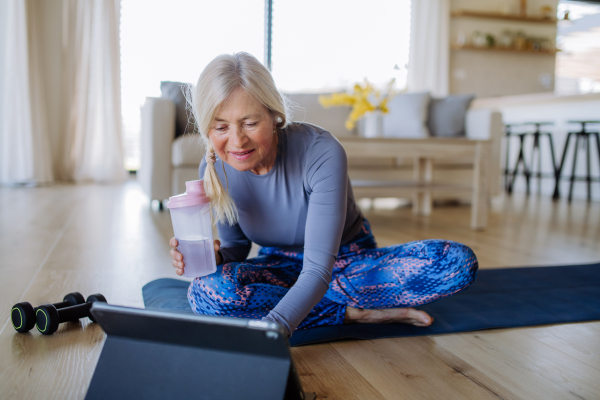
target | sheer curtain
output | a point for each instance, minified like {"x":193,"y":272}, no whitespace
{"x":24,"y":144}
{"x":92,"y":148}
{"x":429,"y":47}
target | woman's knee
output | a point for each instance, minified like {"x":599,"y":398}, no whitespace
{"x":464,"y":260}
{"x":206,"y":294}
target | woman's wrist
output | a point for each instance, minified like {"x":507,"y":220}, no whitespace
{"x":218,"y":257}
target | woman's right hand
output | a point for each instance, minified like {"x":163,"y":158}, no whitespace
{"x":178,"y":257}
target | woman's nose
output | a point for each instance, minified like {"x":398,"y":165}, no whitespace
{"x":238,"y":137}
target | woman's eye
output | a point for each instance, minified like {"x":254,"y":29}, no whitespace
{"x":220,"y":128}
{"x":251,"y":124}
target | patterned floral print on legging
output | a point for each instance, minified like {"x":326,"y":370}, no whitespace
{"x":403,"y":275}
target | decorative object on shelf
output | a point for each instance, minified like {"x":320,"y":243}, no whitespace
{"x":509,"y":41}
{"x":483,"y":39}
{"x":505,"y":50}
{"x":520,"y":41}
{"x":366,"y":102}
{"x":506,"y":39}
{"x":479,"y":39}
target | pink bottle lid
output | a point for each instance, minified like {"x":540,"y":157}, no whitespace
{"x":193,"y":196}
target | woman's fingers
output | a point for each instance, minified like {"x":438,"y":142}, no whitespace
{"x":177,"y":264}
{"x":217,"y":244}
{"x":177,"y":257}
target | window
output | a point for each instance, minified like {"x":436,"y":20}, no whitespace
{"x":317,"y":46}
{"x":173,"y":41}
{"x":579,"y":39}
{"x":330,"y":45}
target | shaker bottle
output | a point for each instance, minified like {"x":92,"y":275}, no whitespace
{"x":190,"y":214}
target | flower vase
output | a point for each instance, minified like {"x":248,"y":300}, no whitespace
{"x":373,"y":125}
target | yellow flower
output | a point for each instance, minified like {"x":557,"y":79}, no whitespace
{"x":360,"y":101}
{"x":383,"y":106}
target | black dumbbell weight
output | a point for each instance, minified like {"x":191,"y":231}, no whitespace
{"x":48,"y":317}
{"x":23,"y":314}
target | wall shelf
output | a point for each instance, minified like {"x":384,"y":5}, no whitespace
{"x":503,"y":50}
{"x":506,"y":17}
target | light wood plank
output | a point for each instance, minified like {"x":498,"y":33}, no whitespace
{"x":100,"y":252}
{"x":30,"y":221}
{"x":325,"y":372}
{"x":531,"y":368}
{"x":410,"y":367}
{"x":586,"y":347}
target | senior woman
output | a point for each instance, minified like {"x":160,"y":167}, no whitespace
{"x":285,"y":186}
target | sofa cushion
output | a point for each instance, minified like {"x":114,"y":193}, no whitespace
{"x":184,"y":120}
{"x":187,"y":150}
{"x":408,"y":116}
{"x":447,"y":115}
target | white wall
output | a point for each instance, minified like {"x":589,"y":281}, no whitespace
{"x":489,"y":73}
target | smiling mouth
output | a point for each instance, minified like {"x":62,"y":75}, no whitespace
{"x":242,"y":155}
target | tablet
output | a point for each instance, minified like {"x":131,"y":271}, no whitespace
{"x":164,"y":355}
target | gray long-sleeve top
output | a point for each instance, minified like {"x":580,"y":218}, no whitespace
{"x":303,"y":204}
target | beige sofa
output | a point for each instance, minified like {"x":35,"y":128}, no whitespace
{"x":166,"y":163}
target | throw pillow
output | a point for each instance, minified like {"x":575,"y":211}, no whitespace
{"x":184,"y":120}
{"x":447,"y":115}
{"x":408,"y":116}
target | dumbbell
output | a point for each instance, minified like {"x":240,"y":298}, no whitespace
{"x":48,"y":317}
{"x":23,"y":314}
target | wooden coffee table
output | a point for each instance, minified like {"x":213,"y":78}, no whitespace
{"x":424,"y":151}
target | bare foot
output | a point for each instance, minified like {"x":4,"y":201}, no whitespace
{"x":387,"y":315}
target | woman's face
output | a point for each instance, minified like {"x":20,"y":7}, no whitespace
{"x":242,"y":134}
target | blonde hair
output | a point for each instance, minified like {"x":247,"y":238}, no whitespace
{"x":219,"y":79}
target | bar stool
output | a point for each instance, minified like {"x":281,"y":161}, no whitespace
{"x":584,"y":136}
{"x":537,"y":135}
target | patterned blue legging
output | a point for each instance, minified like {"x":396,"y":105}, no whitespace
{"x":364,"y":276}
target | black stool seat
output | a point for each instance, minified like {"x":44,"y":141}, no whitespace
{"x":527,"y":172}
{"x":584,"y":136}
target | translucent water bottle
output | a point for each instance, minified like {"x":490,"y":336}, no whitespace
{"x":190,"y":214}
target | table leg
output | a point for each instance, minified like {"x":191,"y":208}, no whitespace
{"x":572,"y":180}
{"x":480,"y":199}
{"x":423,"y":174}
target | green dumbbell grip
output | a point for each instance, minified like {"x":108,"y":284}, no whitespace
{"x":48,"y":318}
{"x":23,"y":315}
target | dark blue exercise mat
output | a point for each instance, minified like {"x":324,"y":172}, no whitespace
{"x":499,"y":298}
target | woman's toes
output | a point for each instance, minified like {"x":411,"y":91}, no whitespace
{"x":422,"y":319}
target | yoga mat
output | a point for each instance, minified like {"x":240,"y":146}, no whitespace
{"x":499,"y":298}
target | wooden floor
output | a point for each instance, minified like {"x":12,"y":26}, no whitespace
{"x":105,"y":238}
